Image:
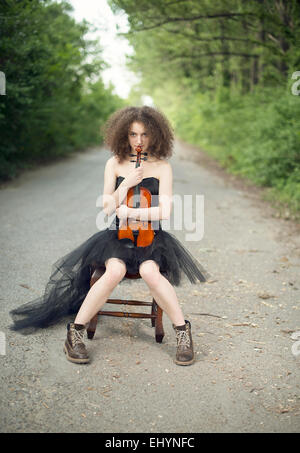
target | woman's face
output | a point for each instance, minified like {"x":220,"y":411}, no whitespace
{"x":137,"y":135}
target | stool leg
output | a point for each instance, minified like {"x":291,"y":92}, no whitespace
{"x":153,"y":312}
{"x":159,"y":330}
{"x":92,"y":327}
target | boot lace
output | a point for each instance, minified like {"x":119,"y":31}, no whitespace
{"x":183,"y":338}
{"x":77,"y":337}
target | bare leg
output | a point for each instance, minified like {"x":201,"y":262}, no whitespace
{"x":162,"y":291}
{"x":100,"y":291}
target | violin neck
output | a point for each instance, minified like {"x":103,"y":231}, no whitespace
{"x":137,"y":196}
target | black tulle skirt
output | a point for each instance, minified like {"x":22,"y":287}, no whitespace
{"x":69,"y":282}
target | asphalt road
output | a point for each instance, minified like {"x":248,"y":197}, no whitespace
{"x":246,"y":377}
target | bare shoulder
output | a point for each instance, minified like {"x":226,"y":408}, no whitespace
{"x":165,"y":169}
{"x":112,"y":160}
{"x":109,"y":176}
{"x":111,"y":165}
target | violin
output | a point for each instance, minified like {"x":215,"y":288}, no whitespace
{"x":137,"y":232}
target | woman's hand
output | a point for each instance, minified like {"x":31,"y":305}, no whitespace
{"x":122,"y":212}
{"x":134,"y":177}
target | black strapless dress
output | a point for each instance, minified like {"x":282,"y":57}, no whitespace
{"x":70,"y":279}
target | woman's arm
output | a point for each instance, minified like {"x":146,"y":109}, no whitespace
{"x":112,"y":198}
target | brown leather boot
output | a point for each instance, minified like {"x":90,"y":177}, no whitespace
{"x":74,"y":347}
{"x":185,"y":350}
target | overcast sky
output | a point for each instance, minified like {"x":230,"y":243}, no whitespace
{"x":115,"y":48}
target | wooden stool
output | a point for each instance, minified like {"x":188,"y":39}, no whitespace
{"x":155,"y":316}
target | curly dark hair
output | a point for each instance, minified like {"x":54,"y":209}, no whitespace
{"x":116,"y":128}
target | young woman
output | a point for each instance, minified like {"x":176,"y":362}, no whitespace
{"x":160,"y":264}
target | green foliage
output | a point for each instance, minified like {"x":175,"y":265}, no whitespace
{"x":55,"y":100}
{"x":256,"y":136}
{"x":222,"y":72}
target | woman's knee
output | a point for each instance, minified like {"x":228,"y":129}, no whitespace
{"x":149,"y":271}
{"x":115,"y":269}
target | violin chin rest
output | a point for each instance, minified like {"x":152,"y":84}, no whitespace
{"x":127,"y":243}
